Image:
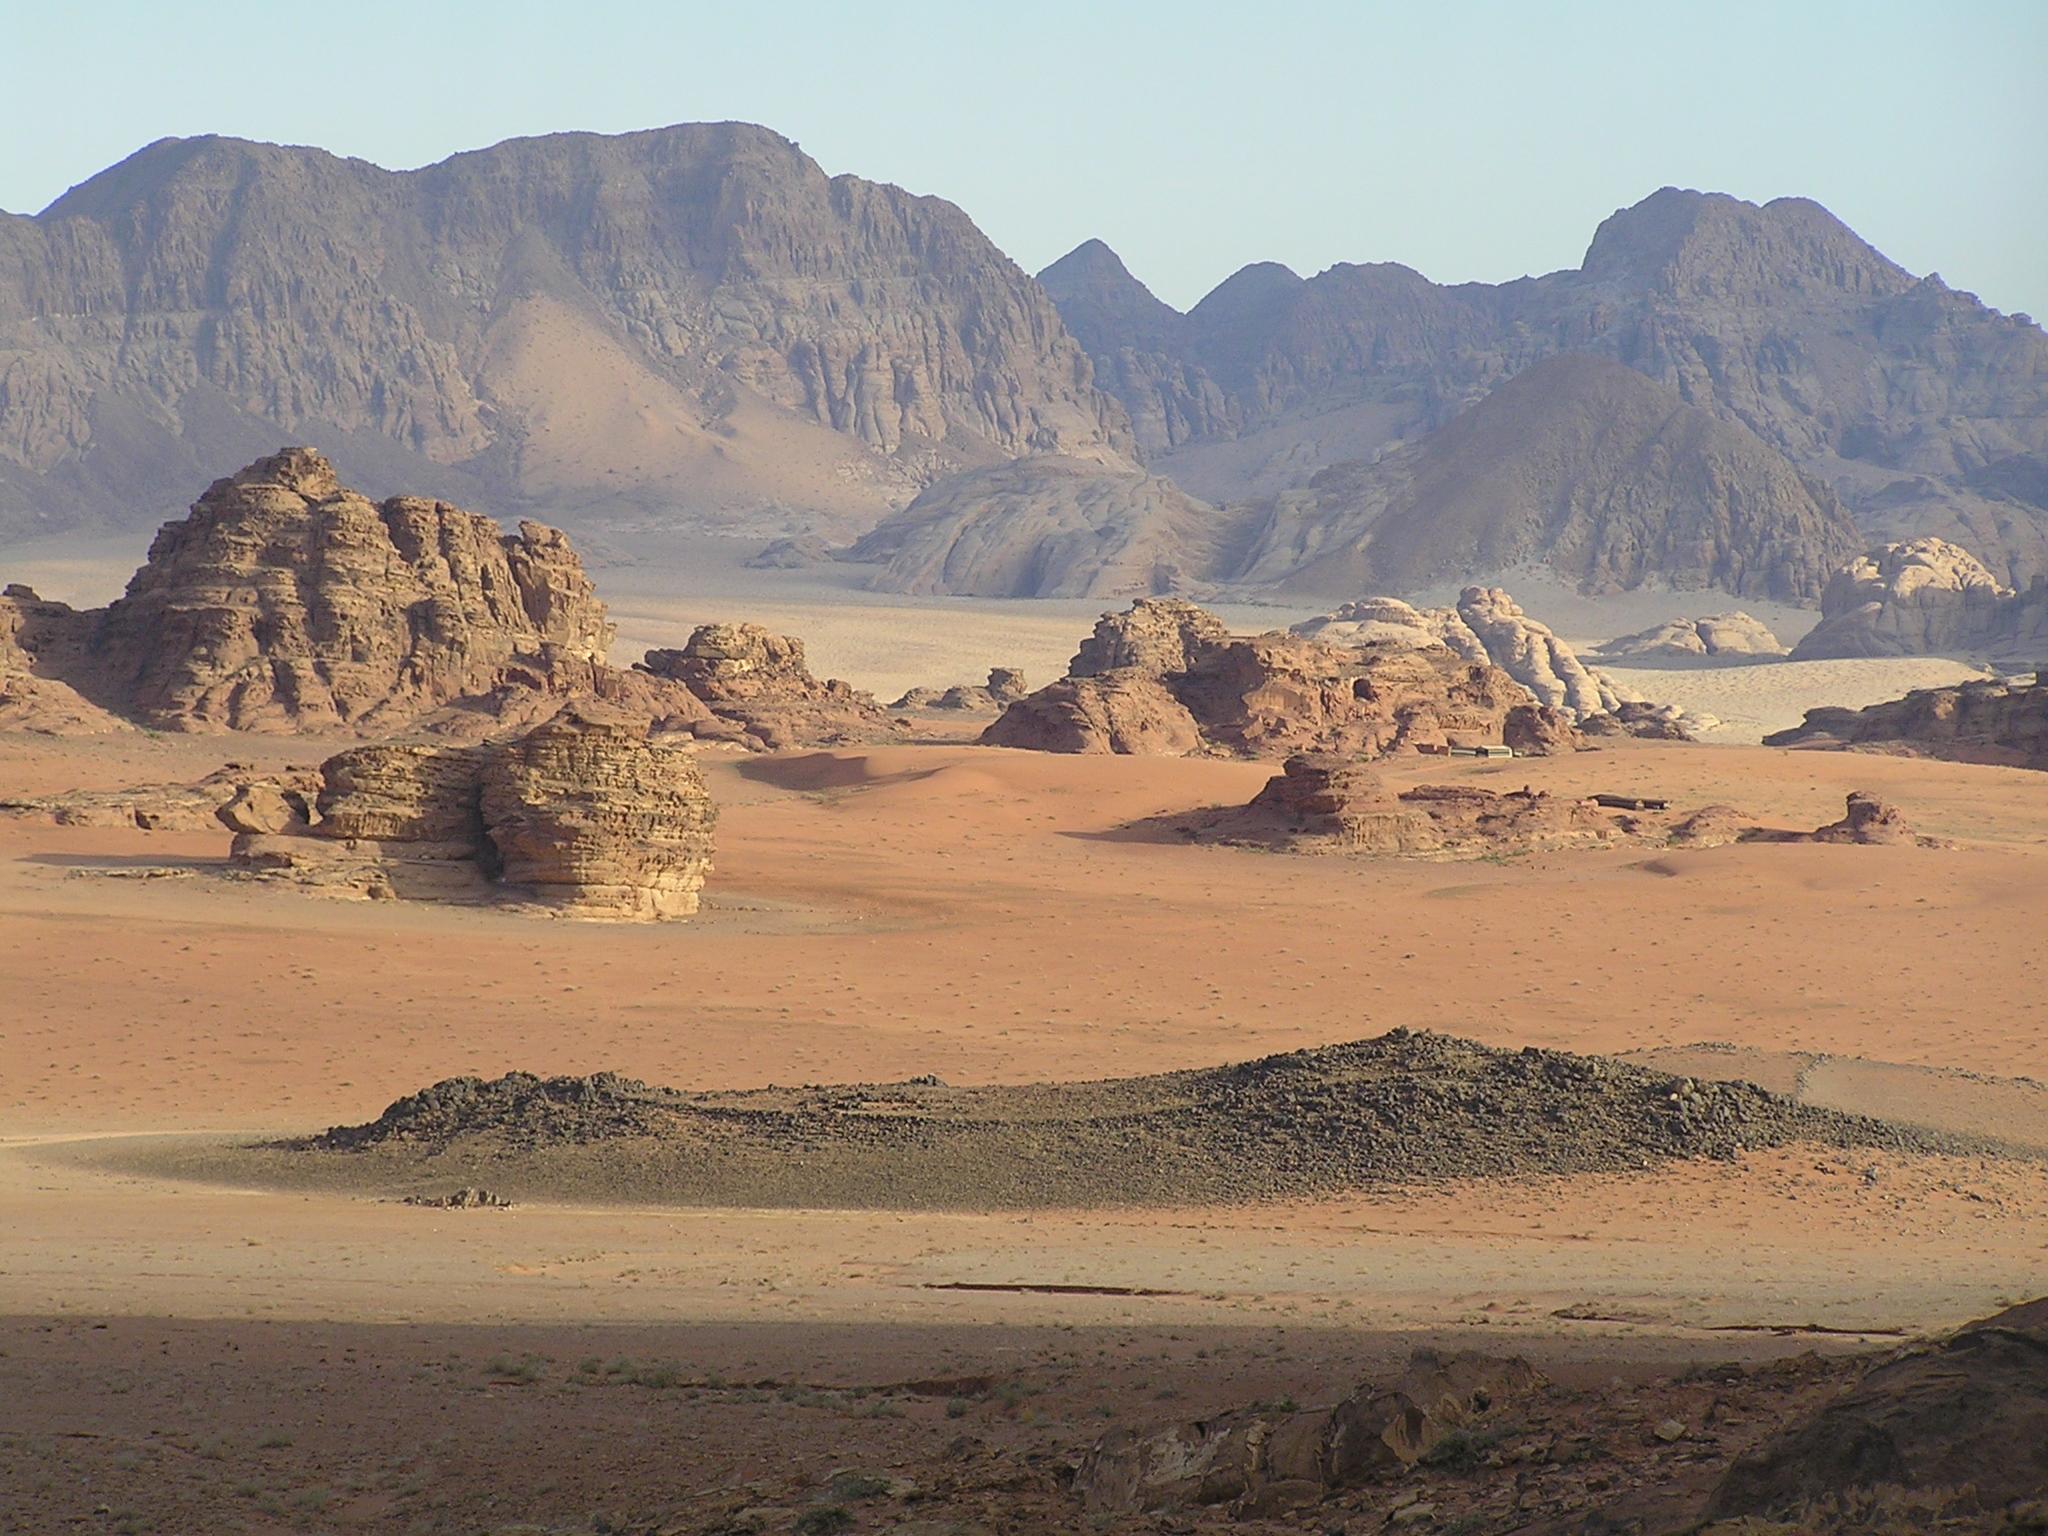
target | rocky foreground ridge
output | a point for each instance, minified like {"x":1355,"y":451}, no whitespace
{"x":1974,"y":722}
{"x":286,"y":602}
{"x":1404,"y":1107}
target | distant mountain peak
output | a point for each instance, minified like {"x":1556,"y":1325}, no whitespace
{"x":1711,"y":244}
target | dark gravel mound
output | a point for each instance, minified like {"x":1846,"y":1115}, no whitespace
{"x":1404,"y":1108}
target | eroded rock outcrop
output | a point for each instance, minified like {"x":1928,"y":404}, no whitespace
{"x":1267,"y":1461}
{"x":583,"y":816}
{"x":1166,"y":676}
{"x":1710,"y":637}
{"x":1867,"y":819}
{"x":1974,"y":722}
{"x":1959,"y":1427}
{"x":1926,"y":597}
{"x":1004,"y":687}
{"x":758,"y":682}
{"x":1328,"y":804}
{"x":279,"y":795}
{"x":286,"y":602}
{"x":42,"y":643}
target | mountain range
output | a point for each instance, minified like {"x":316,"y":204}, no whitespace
{"x":696,"y":326}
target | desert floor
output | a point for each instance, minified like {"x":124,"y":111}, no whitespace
{"x":176,"y":1356}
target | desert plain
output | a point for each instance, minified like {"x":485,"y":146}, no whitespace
{"x":189,"y":1344}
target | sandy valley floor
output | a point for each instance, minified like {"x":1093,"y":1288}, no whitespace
{"x":984,"y":916}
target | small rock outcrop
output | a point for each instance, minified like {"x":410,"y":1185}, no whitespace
{"x":1985,"y":721}
{"x":1867,"y":819}
{"x":796,"y":553}
{"x":1004,"y":687}
{"x":1264,"y":1462}
{"x":1325,"y":804}
{"x":1167,"y":677}
{"x":583,"y":816}
{"x":259,"y":794}
{"x":1710,"y":637}
{"x":1926,"y":597}
{"x":759,"y":683}
{"x":1486,"y":625}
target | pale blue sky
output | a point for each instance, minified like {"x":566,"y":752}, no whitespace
{"x":1473,"y":140}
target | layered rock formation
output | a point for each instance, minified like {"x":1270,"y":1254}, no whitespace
{"x":582,"y":816}
{"x":759,"y":684}
{"x":692,"y":319}
{"x":1710,"y":637}
{"x":286,"y":602}
{"x":1328,"y":804}
{"x":1974,"y":722}
{"x":41,"y":644}
{"x":1579,"y":464}
{"x":281,"y":794}
{"x":1490,"y":626}
{"x":1166,"y":677}
{"x":1048,"y":527}
{"x":1921,"y":408}
{"x":1926,"y":597}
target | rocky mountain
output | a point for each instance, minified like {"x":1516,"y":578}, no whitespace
{"x":695,"y":322}
{"x":1926,"y":597}
{"x":1925,"y":411}
{"x":1577,"y":463}
{"x":1049,"y":526}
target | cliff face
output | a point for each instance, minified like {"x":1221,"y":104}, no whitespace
{"x":693,"y":318}
{"x":1925,"y":411}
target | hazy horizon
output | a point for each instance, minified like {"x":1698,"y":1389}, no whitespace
{"x":1191,"y":149}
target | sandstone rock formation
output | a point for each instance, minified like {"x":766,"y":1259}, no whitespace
{"x":1710,"y":637}
{"x":719,"y":330}
{"x":1329,"y":804}
{"x":1926,"y":597}
{"x":273,"y":795}
{"x":41,"y":644}
{"x":1974,"y":722}
{"x":1956,"y":1430}
{"x":1868,"y":819}
{"x":1004,"y":687}
{"x":1166,"y":677}
{"x":285,"y":602}
{"x":582,"y":816}
{"x":758,"y":682}
{"x":1579,"y":464}
{"x":1047,"y":527}
{"x":1921,"y":408}
{"x":1264,"y":1462}
{"x":792,"y":554}
{"x":1488,"y":625}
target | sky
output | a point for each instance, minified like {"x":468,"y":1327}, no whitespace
{"x":1468,"y":139}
